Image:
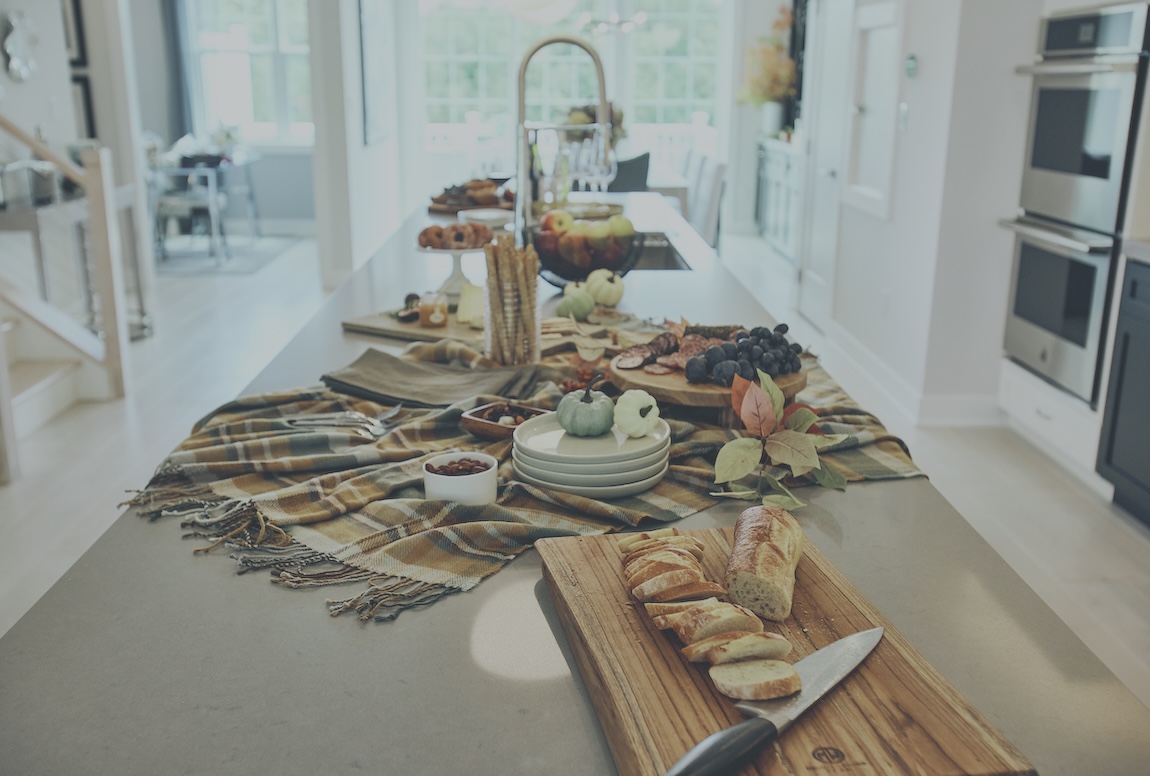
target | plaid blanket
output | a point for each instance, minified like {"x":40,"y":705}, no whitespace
{"x":287,"y":487}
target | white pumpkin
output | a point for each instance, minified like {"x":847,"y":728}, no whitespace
{"x":606,"y":290}
{"x":573,"y":287}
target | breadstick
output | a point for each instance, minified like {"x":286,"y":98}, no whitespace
{"x":495,"y":310}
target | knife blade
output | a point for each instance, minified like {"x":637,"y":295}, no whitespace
{"x":820,"y":671}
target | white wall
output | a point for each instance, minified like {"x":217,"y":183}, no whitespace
{"x":356,"y":189}
{"x":921,"y":296}
{"x":45,"y":99}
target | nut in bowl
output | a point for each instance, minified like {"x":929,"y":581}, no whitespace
{"x":464,"y":477}
{"x":497,"y":420}
{"x":569,"y":250}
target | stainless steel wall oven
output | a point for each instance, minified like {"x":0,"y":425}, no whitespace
{"x":1088,"y":86}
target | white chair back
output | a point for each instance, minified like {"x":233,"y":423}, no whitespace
{"x":705,"y":199}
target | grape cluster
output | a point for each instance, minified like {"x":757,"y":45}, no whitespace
{"x":760,"y":349}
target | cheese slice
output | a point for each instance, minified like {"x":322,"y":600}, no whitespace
{"x":470,"y":309}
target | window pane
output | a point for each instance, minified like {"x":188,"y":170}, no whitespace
{"x":465,"y":80}
{"x":438,"y":114}
{"x":645,"y":114}
{"x":497,"y":80}
{"x":438,"y":80}
{"x":263,"y":88}
{"x":675,"y":77}
{"x":703,"y":82}
{"x":293,"y":22}
{"x":232,"y":24}
{"x":675,"y":114}
{"x":464,"y":40}
{"x":297,"y":75}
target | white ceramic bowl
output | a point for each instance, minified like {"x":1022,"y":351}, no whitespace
{"x":470,"y":489}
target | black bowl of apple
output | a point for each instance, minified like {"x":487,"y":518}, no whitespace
{"x":569,"y":250}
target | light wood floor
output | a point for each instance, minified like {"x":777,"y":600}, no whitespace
{"x":1088,"y":560}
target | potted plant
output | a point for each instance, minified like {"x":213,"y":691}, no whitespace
{"x":769,"y":78}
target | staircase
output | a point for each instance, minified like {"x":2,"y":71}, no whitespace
{"x":42,"y":388}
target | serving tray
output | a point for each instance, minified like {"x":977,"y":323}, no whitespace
{"x":674,"y":388}
{"x":895,"y":714}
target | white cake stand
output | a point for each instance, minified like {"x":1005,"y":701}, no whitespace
{"x":456,"y":280}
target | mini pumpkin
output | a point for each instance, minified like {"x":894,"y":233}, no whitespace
{"x":586,"y":413}
{"x":636,"y":413}
{"x":606,"y":289}
{"x":578,"y":305}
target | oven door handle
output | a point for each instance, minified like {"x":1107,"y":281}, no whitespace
{"x":1078,"y":68}
{"x":1056,"y":239}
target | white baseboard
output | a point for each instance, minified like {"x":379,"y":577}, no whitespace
{"x":875,"y":388}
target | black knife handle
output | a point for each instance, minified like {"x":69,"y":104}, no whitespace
{"x":718,"y":752}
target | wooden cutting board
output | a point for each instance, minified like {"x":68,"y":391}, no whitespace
{"x":895,"y":714}
{"x":674,"y":388}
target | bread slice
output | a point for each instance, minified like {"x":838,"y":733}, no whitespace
{"x":756,"y":680}
{"x":651,"y":570}
{"x":761,"y":570}
{"x":698,"y":624}
{"x":691,"y":591}
{"x":650,"y":590}
{"x":664,"y":621}
{"x":752,"y":646}
{"x":697,"y":652}
{"x":689,"y":543}
{"x":677,"y":557}
{"x":626,"y":540}
{"x":655,"y":609}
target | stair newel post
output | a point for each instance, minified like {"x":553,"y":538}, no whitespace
{"x":104,"y":233}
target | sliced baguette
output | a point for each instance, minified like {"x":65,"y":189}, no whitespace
{"x":655,"y":609}
{"x":664,"y":621}
{"x":761,"y":570}
{"x":697,"y":652}
{"x":678,"y":557}
{"x":627,"y":540}
{"x":689,"y":543}
{"x":751,"y":646}
{"x":652,"y":570}
{"x":692,"y":591}
{"x":756,"y":680}
{"x":652,"y":588}
{"x":698,"y":624}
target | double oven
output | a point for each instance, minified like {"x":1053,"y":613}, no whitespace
{"x":1088,"y":85}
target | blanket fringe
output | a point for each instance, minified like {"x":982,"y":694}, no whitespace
{"x":242,"y":522}
{"x":388,"y":597}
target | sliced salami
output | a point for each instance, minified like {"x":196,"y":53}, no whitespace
{"x":635,"y":356}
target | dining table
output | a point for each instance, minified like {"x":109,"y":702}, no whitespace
{"x":148,"y":658}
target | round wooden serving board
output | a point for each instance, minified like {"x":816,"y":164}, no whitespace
{"x":674,"y":388}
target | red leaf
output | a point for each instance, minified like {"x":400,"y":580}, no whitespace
{"x":738,"y":391}
{"x":794,"y":407}
{"x":758,"y":412}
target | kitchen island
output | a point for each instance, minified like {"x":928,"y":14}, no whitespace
{"x":147,"y":659}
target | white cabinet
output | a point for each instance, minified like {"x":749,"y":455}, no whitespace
{"x":780,"y":196}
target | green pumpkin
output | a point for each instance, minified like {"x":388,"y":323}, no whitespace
{"x":586,"y":413}
{"x":578,"y":305}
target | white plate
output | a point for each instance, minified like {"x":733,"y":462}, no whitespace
{"x":591,"y":467}
{"x":449,"y":251}
{"x":598,"y":492}
{"x":544,"y":438}
{"x":615,"y":477}
{"x":494,"y":216}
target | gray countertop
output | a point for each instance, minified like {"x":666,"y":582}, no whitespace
{"x":1137,"y":249}
{"x":147,"y":659}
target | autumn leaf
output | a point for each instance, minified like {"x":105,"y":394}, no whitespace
{"x":737,"y":459}
{"x":799,"y":419}
{"x":777,"y":398}
{"x":830,"y":478}
{"x":758,"y":412}
{"x":788,"y":502}
{"x":739,"y":492}
{"x":827,"y":441}
{"x":793,"y":449}
{"x":738,"y":391}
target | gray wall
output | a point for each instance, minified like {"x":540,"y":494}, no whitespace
{"x":283,"y":180}
{"x":45,"y":99}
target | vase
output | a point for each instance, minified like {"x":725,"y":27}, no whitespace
{"x":771,"y":117}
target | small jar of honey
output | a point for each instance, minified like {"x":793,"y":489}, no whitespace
{"x":433,"y":311}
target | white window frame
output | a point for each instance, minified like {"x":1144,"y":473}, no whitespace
{"x":287,"y":135}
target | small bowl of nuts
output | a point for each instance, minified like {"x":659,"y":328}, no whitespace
{"x":467,"y":478}
{"x":498,"y":419}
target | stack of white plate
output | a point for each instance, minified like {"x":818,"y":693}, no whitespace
{"x":609,"y":466}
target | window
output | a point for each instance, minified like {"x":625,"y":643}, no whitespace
{"x":668,"y":62}
{"x":248,"y":68}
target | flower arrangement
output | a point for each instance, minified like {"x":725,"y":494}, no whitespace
{"x":780,"y":442}
{"x":770,"y":73}
{"x":585,"y":114}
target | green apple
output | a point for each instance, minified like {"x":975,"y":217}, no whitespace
{"x":556,"y":221}
{"x":620,"y":226}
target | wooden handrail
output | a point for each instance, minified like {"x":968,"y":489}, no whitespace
{"x":67,"y":169}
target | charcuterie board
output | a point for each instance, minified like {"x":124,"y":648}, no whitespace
{"x":895,"y":714}
{"x":673,"y":388}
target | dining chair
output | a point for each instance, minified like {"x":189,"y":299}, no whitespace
{"x":188,"y":201}
{"x":631,"y":174}
{"x":705,"y":200}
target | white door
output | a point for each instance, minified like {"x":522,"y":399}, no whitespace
{"x":827,"y":118}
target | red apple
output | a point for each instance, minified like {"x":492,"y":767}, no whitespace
{"x":556,"y":221}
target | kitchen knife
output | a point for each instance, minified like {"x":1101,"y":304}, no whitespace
{"x":820,"y":671}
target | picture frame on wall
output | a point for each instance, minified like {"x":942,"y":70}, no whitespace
{"x":74,"y":33}
{"x":374,"y":68}
{"x":82,"y":104}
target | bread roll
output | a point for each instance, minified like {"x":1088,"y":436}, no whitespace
{"x":756,"y":680}
{"x":761,"y":570}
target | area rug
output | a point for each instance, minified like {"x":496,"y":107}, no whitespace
{"x":190,"y":256}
